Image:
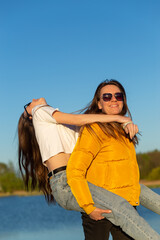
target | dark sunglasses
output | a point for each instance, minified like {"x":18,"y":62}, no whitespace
{"x":28,"y":115}
{"x":108,"y":96}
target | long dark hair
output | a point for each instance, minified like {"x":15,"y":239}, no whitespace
{"x":113,"y":128}
{"x":30,"y":161}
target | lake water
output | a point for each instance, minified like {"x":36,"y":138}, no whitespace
{"x":31,"y":218}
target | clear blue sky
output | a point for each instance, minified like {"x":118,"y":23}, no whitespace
{"x":62,"y":50}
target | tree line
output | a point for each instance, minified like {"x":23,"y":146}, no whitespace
{"x":10,"y":179}
{"x":149,"y":165}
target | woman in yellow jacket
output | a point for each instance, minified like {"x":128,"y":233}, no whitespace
{"x":105,"y":156}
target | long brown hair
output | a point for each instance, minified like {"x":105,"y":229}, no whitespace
{"x":114,"y":128}
{"x":30,"y":161}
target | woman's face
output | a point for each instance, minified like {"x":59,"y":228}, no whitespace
{"x":113,"y":106}
{"x":35,"y":102}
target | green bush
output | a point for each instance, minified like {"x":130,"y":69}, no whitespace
{"x":154,"y":174}
{"x":9,"y":182}
{"x":147,"y":162}
{"x":9,"y":179}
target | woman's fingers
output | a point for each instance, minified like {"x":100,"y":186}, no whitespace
{"x":131,"y":129}
{"x":97,"y":214}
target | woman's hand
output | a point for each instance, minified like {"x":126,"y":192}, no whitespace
{"x":130,"y":128}
{"x":97,"y":214}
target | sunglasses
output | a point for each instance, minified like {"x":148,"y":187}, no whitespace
{"x":108,"y":96}
{"x":28,"y":115}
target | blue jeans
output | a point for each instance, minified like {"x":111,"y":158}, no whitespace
{"x":150,"y":199}
{"x":123,"y":214}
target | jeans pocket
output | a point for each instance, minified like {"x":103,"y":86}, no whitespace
{"x":59,"y":188}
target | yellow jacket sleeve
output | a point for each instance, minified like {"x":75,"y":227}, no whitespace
{"x":87,"y":147}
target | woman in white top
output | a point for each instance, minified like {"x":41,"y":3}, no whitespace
{"x":56,"y":142}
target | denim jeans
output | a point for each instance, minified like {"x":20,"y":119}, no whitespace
{"x":150,"y":199}
{"x":123,"y":214}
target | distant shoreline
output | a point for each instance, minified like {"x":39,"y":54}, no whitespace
{"x":22,"y":193}
{"x":155,"y":183}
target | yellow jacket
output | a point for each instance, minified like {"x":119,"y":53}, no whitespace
{"x":106,"y":162}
